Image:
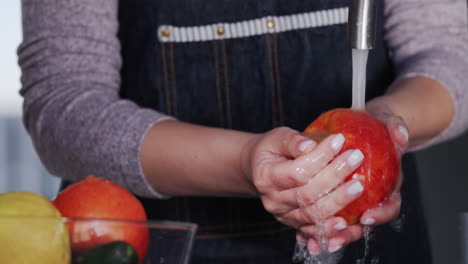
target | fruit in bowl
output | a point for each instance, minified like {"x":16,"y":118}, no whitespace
{"x":380,"y":169}
{"x":100,"y":199}
{"x":31,"y":230}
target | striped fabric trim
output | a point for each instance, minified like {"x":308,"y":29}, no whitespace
{"x":254,"y":27}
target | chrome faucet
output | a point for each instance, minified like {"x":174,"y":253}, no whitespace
{"x":362,"y":24}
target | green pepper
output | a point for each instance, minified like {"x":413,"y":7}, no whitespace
{"x":117,"y":252}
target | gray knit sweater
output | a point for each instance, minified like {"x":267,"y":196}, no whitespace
{"x":70,"y":61}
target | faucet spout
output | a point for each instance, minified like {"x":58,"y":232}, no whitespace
{"x":362,"y":24}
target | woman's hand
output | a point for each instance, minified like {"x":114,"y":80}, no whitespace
{"x":412,"y":100}
{"x":299,"y":181}
{"x":399,"y":134}
{"x":395,"y":125}
{"x":339,"y":235}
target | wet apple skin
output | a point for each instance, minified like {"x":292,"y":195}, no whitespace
{"x":380,"y":168}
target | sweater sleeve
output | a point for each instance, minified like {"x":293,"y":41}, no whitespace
{"x":70,"y":62}
{"x":430,"y":38}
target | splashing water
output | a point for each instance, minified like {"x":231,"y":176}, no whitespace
{"x":367,"y":238}
{"x":324,"y":257}
{"x":397,"y":224}
{"x":303,"y":255}
{"x":359,"y":58}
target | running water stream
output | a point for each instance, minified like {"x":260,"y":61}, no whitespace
{"x":359,"y":58}
{"x":359,"y":62}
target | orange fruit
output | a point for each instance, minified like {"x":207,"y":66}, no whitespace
{"x":98,"y":198}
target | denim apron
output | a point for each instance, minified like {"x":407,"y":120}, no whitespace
{"x":253,"y":65}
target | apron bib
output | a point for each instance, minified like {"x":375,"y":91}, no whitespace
{"x":253,"y":65}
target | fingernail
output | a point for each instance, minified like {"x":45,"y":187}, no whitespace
{"x":340,"y":226}
{"x":337,"y":141}
{"x":404,"y":131}
{"x":305,"y":144}
{"x":369,"y":221}
{"x":334,"y":248}
{"x":355,"y":158}
{"x":334,"y":245}
{"x":355,"y":188}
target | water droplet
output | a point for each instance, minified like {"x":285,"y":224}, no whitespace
{"x":397,"y":224}
{"x":300,"y":170}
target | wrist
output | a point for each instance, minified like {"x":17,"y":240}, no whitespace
{"x":414,"y":100}
{"x":246,"y":162}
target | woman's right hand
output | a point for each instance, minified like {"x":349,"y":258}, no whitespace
{"x":300,"y":181}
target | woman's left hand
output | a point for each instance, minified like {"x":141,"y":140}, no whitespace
{"x":388,"y":211}
{"x":399,"y":134}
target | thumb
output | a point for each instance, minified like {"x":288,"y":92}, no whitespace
{"x":395,"y":125}
{"x":293,"y":144}
{"x":398,"y":133}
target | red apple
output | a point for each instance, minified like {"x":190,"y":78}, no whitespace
{"x":120,"y":215}
{"x":380,"y":169}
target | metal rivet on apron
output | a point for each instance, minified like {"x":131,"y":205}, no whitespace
{"x":271,"y":23}
{"x":166,"y":33}
{"x":220,"y":30}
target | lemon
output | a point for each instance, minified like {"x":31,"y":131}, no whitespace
{"x":31,"y":230}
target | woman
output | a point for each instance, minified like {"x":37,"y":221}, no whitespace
{"x":154,"y":97}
